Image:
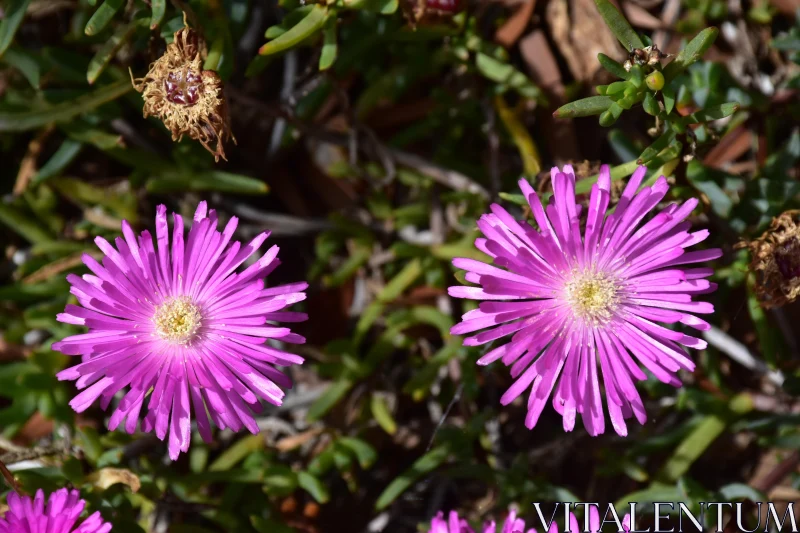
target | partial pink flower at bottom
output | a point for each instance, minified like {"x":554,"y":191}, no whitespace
{"x":181,"y":328}
{"x":513,"y":524}
{"x":58,"y":515}
{"x":454,"y":524}
{"x":584,"y":308}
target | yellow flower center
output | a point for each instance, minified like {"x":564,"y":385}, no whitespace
{"x":177,"y":320}
{"x":592,"y":296}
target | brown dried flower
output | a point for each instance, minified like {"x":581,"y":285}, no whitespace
{"x":187,"y":99}
{"x":776,"y":261}
{"x":428,"y":12}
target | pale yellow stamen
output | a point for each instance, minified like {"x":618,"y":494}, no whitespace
{"x":592,"y":296}
{"x":177,"y":320}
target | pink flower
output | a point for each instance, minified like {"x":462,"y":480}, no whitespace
{"x":454,"y":524}
{"x":58,"y":516}
{"x":181,"y":321}
{"x":513,"y":524}
{"x":573,"y":300}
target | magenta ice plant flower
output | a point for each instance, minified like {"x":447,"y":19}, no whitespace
{"x":584,"y":305}
{"x":180,"y":326}
{"x":58,"y":515}
{"x":513,"y":524}
{"x":454,"y":524}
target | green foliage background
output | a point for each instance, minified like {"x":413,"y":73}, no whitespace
{"x":370,"y":148}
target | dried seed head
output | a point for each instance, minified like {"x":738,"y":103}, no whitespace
{"x":427,"y":12}
{"x":187,"y":99}
{"x":654,"y":55}
{"x":776,"y":261}
{"x":638,"y":56}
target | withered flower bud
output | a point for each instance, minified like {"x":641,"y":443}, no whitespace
{"x":654,"y":55}
{"x":187,"y":99}
{"x":422,"y":12}
{"x":776,"y":261}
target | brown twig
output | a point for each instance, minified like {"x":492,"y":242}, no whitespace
{"x":781,"y":470}
{"x":27,"y":169}
{"x":10,"y":479}
{"x":26,"y":454}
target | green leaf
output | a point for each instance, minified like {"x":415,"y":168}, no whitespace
{"x":26,"y":63}
{"x":668,"y":92}
{"x":398,"y":284}
{"x":618,"y":25}
{"x":236,"y":453}
{"x":614,"y":67}
{"x":657,"y":147}
{"x":696,"y":443}
{"x":622,"y":145}
{"x":693,"y":51}
{"x":21,"y":223}
{"x":88,"y":194}
{"x":84,"y":132}
{"x":59,"y":161}
{"x":425,"y":464}
{"x":291,"y":19}
{"x":382,"y":415}
{"x":422,"y":379}
{"x":332,"y":395}
{"x":159,"y":8}
{"x":89,"y":442}
{"x":657,"y":493}
{"x":531,"y":162}
{"x":348,"y":269}
{"x":711,"y":113}
{"x":102,"y":16}
{"x":650,"y":105}
{"x":235,"y":475}
{"x":710,"y":183}
{"x":790,"y":43}
{"x":311,"y":23}
{"x":506,"y":74}
{"x":370,"y":315}
{"x":691,"y":448}
{"x":14,"y":12}
{"x":329,"y":47}
{"x":215,"y":56}
{"x":313,"y":486}
{"x":740,"y":491}
{"x":384,"y":7}
{"x":637,"y":76}
{"x":364,"y":452}
{"x":257,"y":65}
{"x":401,"y":281}
{"x":269,"y":526}
{"x":110,"y":48}
{"x":463,"y":248}
{"x":27,"y":120}
{"x":214,"y":180}
{"x":585,"y":107}
{"x":617,"y":173}
{"x":514,"y":198}
{"x":767,"y":336}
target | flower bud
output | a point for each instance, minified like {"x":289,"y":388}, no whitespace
{"x":655,"y":81}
